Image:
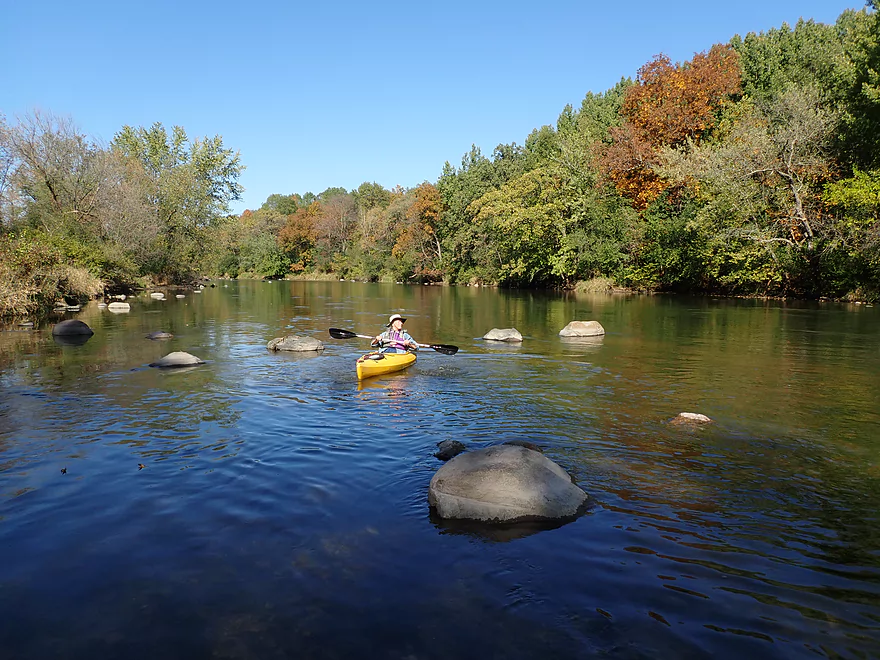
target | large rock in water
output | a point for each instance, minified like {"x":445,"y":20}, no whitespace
{"x":295,"y":343}
{"x":505,"y":483}
{"x":503,"y":334}
{"x":71,"y":327}
{"x":177,"y":359}
{"x":582,"y":329}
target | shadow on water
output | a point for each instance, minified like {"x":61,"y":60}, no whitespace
{"x":497,"y":532}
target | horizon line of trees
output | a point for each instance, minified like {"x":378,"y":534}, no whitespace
{"x":751,"y":169}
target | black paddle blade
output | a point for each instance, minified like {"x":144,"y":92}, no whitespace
{"x":336,"y":333}
{"x":446,"y":349}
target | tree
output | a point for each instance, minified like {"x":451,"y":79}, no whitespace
{"x":669,"y":105}
{"x":283,"y":204}
{"x":761,"y":185}
{"x":61,"y":172}
{"x":190,"y":185}
{"x":297,"y":238}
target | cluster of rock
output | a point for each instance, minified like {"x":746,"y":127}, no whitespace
{"x":573,"y":329}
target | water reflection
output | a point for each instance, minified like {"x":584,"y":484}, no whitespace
{"x":71,"y":340}
{"x":283,"y":507}
{"x":495,"y":533}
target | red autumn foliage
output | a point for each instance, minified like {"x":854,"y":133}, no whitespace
{"x":671,"y":103}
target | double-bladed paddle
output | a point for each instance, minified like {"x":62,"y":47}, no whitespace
{"x":446,"y":349}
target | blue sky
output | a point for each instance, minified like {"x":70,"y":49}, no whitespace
{"x":326,"y":94}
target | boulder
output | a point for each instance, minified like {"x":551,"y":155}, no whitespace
{"x":177,"y":359}
{"x":582,"y":329}
{"x":71,"y":327}
{"x":504,"y":483}
{"x":296,"y":343}
{"x":449,"y":449}
{"x":690,"y":418}
{"x":503,"y":334}
{"x":159,"y":334}
{"x":157,"y":295}
{"x":119,"y":307}
{"x":526,"y":444}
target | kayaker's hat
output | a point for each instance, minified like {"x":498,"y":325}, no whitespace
{"x":395,"y":317}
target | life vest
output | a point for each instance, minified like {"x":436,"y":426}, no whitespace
{"x":396,"y":340}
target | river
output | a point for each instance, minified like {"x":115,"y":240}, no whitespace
{"x":266,"y":505}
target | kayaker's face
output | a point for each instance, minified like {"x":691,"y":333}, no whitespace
{"x":397,"y":325}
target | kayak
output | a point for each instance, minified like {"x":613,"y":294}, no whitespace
{"x":376,"y":364}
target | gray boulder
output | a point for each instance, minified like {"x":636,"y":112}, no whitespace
{"x":449,"y":449}
{"x":582,"y":329}
{"x":177,"y":359}
{"x":503,"y":334}
{"x":295,"y":343}
{"x":504,"y":483}
{"x":71,"y":327}
{"x":526,"y":444}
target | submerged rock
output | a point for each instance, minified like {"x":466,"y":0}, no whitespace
{"x":177,"y":359}
{"x":159,"y":334}
{"x":504,"y":483}
{"x":582,"y":329}
{"x":689,"y":418}
{"x":449,"y":449}
{"x":503,"y":334}
{"x":71,"y":327}
{"x":295,"y":343}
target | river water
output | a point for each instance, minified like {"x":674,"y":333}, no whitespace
{"x":268,"y":506}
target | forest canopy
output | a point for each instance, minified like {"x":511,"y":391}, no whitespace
{"x":751,"y":169}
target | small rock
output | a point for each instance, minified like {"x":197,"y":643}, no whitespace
{"x":72,"y":327}
{"x":582,"y":329}
{"x":119,"y":307}
{"x":690,"y":418}
{"x":177,"y":359}
{"x":448,"y":449}
{"x":295,"y":343}
{"x":180,"y":295}
{"x":159,"y":334}
{"x":503,"y":334}
{"x":157,"y":295}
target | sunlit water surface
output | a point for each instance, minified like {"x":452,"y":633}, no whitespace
{"x":268,"y":506}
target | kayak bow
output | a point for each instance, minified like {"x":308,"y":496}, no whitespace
{"x":376,"y":363}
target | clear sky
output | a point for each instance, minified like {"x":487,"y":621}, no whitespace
{"x":319,"y":94}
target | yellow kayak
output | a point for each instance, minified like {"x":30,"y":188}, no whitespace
{"x":376,"y":364}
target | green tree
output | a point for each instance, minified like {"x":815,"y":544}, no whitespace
{"x":190,"y":185}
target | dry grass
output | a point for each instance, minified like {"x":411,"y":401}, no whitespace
{"x":594,"y":285}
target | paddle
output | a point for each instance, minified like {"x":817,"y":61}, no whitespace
{"x":446,"y":349}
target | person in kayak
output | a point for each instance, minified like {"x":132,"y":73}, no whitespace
{"x":395,"y":339}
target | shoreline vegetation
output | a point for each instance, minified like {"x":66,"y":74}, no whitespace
{"x":751,"y":170}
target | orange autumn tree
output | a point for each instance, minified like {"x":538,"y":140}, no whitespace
{"x":297,"y":237}
{"x":669,"y":105}
{"x":418,"y":243}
